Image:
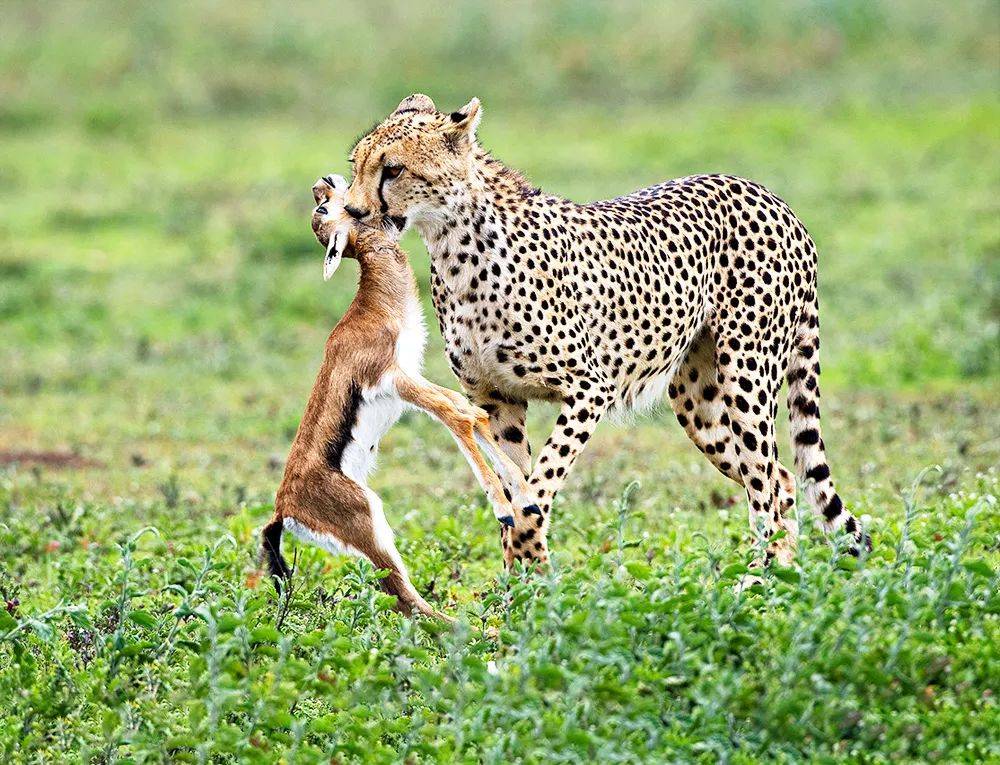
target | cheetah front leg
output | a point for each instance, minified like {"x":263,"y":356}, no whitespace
{"x":507,"y":424}
{"x":581,"y":410}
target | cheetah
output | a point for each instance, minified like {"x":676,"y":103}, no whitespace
{"x":700,"y":289}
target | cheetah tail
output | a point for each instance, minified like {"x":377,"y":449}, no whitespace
{"x":270,"y":550}
{"x":807,"y":441}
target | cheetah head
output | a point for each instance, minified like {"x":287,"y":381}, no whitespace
{"x":405,"y":167}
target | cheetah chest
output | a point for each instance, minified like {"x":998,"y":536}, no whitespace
{"x":465,"y":333}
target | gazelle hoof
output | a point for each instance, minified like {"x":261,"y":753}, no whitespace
{"x":532,"y":510}
{"x":507,"y":520}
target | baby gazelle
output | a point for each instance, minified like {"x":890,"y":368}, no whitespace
{"x":371,"y":368}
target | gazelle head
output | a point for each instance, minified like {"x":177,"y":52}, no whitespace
{"x":331,"y":224}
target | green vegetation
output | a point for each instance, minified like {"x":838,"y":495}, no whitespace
{"x":162,"y":316}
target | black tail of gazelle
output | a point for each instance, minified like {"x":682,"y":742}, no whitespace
{"x":270,"y":552}
{"x":357,"y":528}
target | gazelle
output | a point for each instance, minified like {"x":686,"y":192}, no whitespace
{"x":371,"y":370}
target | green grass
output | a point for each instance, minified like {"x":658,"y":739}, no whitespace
{"x":634,"y":648}
{"x":162,"y":317}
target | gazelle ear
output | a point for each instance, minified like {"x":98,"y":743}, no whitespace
{"x":417,"y":102}
{"x":467,"y":119}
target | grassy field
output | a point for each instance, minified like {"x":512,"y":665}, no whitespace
{"x":162,"y":316}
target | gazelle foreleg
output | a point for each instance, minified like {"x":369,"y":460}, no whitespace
{"x":468,"y":424}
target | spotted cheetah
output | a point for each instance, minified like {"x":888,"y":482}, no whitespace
{"x":701,"y":289}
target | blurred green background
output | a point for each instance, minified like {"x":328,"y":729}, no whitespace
{"x":159,"y":286}
{"x":159,"y":283}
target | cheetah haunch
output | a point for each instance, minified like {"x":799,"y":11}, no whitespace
{"x":701,"y":288}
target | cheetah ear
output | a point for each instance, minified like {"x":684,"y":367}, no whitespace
{"x":417,"y":102}
{"x":466,"y":119}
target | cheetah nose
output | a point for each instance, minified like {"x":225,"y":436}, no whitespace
{"x":355,"y":213}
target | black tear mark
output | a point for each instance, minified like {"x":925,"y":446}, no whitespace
{"x":381,"y":196}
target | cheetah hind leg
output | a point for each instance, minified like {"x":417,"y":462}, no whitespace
{"x":697,"y":401}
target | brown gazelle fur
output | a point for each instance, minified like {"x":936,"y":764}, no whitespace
{"x":371,"y":367}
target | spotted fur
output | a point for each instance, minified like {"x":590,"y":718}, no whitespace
{"x":702,"y":287}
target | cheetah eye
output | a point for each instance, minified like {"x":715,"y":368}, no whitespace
{"x":391,"y":171}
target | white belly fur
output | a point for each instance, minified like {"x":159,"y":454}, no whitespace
{"x":378,"y":412}
{"x":380,"y":408}
{"x":412,"y":338}
{"x":327,"y":542}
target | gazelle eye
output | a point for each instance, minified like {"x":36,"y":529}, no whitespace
{"x":391,"y":171}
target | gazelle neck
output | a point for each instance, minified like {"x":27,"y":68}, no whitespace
{"x":386,"y":280}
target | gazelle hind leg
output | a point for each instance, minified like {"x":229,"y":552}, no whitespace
{"x":346,"y":518}
{"x":508,"y":427}
{"x":509,"y":472}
